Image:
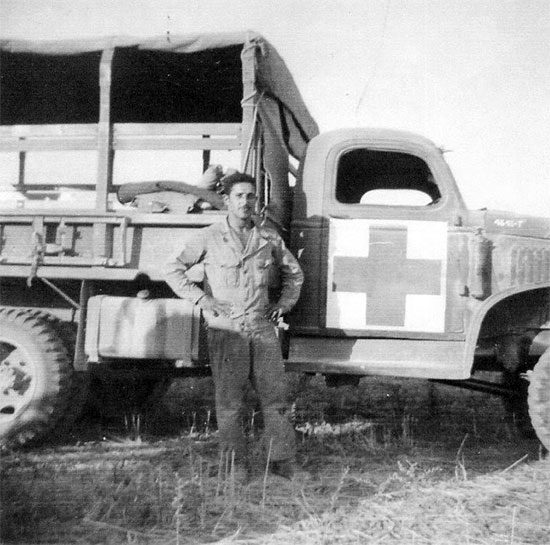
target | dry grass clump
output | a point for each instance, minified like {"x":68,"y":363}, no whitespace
{"x":510,"y":507}
{"x":181,"y":492}
{"x":178,"y":491}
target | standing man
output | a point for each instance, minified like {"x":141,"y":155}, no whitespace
{"x":240,"y":261}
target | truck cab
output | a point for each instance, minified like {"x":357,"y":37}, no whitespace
{"x":403,"y":279}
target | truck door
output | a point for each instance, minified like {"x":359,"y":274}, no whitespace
{"x":387,"y":245}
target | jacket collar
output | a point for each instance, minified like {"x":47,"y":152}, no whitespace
{"x":257,"y":241}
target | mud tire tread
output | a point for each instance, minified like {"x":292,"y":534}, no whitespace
{"x":56,"y":382}
{"x":80,"y":381}
{"x":539,"y":399}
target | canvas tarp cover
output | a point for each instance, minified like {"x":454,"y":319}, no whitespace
{"x":281,"y":109}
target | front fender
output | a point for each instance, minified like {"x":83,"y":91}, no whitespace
{"x":540,"y":318}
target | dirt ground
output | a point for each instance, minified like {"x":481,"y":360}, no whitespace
{"x":390,"y":461}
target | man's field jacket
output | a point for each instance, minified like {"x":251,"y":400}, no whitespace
{"x":245,"y":277}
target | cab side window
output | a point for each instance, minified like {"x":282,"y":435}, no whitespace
{"x":369,"y":177}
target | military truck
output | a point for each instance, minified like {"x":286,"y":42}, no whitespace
{"x":105,"y":147}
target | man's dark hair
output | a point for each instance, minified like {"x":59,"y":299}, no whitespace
{"x":236,"y":178}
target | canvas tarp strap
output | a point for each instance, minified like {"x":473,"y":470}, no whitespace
{"x":275,"y":160}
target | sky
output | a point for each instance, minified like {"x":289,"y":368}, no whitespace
{"x":471,"y":75}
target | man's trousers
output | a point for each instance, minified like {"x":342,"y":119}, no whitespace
{"x":237,"y":358}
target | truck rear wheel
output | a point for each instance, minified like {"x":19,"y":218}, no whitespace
{"x":539,"y":398}
{"x":35,"y":376}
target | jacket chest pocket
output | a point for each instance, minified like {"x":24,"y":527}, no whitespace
{"x":223,"y":273}
{"x":264,"y":271}
{"x":230,"y":273}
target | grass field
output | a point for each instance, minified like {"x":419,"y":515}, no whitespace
{"x":391,"y":461}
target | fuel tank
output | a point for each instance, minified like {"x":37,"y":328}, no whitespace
{"x":135,"y":328}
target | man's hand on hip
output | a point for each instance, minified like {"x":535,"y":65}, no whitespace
{"x":274,"y":313}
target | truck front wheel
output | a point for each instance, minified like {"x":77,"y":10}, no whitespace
{"x":35,"y":377}
{"x":539,"y":398}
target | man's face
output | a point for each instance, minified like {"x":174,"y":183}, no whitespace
{"x":241,"y":201}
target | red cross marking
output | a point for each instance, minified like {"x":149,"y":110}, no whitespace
{"x":387,"y":276}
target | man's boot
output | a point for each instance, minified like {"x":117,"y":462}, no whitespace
{"x":283,"y":468}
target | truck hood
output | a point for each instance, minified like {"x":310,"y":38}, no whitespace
{"x":510,"y":223}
